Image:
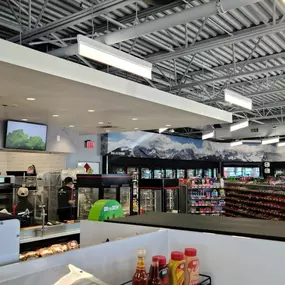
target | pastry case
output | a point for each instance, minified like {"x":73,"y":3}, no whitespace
{"x":92,"y":188}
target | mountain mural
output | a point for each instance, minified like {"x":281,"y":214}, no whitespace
{"x":152,"y":145}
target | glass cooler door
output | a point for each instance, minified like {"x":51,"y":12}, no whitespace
{"x":180,"y":173}
{"x":190,"y":173}
{"x":158,"y":174}
{"x":145,"y":173}
{"x":110,"y":193}
{"x":171,"y":200}
{"x":125,"y":199}
{"x":150,"y":201}
{"x":170,"y":173}
{"x":86,"y":198}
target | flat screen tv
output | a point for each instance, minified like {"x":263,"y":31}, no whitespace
{"x":27,"y":136}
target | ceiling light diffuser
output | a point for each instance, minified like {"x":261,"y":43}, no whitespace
{"x":30,"y":99}
{"x":91,"y":111}
{"x":281,"y":144}
{"x":134,"y":119}
{"x":208,"y":135}
{"x":100,"y":123}
{"x":239,"y":125}
{"x":237,"y":99}
{"x":111,"y":56}
{"x":237,"y":143}
{"x":25,"y":120}
{"x":55,"y":115}
{"x":270,"y":140}
{"x":71,"y":126}
{"x":161,"y":130}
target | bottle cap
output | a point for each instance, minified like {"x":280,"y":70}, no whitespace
{"x":161,"y":259}
{"x":177,"y":255}
{"x":141,"y":252}
{"x":190,"y":252}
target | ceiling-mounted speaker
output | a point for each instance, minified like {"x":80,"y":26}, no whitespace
{"x":159,"y":2}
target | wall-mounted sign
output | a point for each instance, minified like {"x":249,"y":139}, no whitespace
{"x":89,"y":144}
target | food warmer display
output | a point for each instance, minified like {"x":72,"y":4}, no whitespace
{"x":159,"y":195}
{"x":107,"y":186}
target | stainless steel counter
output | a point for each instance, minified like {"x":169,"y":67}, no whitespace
{"x":35,"y":234}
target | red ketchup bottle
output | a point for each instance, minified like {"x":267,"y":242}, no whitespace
{"x":154,"y":278}
{"x":163,"y":269}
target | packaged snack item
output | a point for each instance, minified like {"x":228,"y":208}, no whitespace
{"x":176,"y":268}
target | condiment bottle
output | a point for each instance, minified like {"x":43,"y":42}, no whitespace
{"x":140,"y":277}
{"x":163,"y":269}
{"x":176,"y":268}
{"x":192,"y":267}
{"x":154,"y":278}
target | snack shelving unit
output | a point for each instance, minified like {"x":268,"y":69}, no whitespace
{"x":259,"y":201}
{"x":204,"y":199}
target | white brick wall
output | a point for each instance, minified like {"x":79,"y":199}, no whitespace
{"x":22,"y":160}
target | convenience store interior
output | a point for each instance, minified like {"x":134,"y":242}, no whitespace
{"x":172,"y":110}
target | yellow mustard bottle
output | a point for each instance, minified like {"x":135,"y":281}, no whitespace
{"x":176,"y":268}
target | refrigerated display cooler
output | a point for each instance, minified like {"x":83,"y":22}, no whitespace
{"x":158,"y":173}
{"x":92,"y":188}
{"x":235,"y":172}
{"x":146,"y":173}
{"x":170,"y":173}
{"x":159,"y":195}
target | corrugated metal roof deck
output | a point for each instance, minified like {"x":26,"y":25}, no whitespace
{"x":254,"y":65}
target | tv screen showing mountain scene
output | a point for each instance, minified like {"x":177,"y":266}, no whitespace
{"x":29,"y":136}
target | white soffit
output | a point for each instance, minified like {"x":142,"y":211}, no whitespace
{"x":180,"y":111}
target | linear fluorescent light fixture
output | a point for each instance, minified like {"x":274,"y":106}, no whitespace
{"x":108,"y":55}
{"x":239,"y":125}
{"x":270,"y":140}
{"x":237,"y":143}
{"x":208,"y":135}
{"x":161,"y":130}
{"x":281,"y":144}
{"x":237,"y":99}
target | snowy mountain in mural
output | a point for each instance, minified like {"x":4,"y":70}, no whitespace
{"x":152,"y":145}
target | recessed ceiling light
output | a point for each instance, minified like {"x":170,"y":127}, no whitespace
{"x":31,"y":99}
{"x":136,"y":128}
{"x":100,"y":123}
{"x":24,"y":119}
{"x":91,"y":111}
{"x":134,"y":119}
{"x":55,"y":115}
{"x":168,"y":125}
{"x":107,"y":131}
{"x":71,"y":126}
